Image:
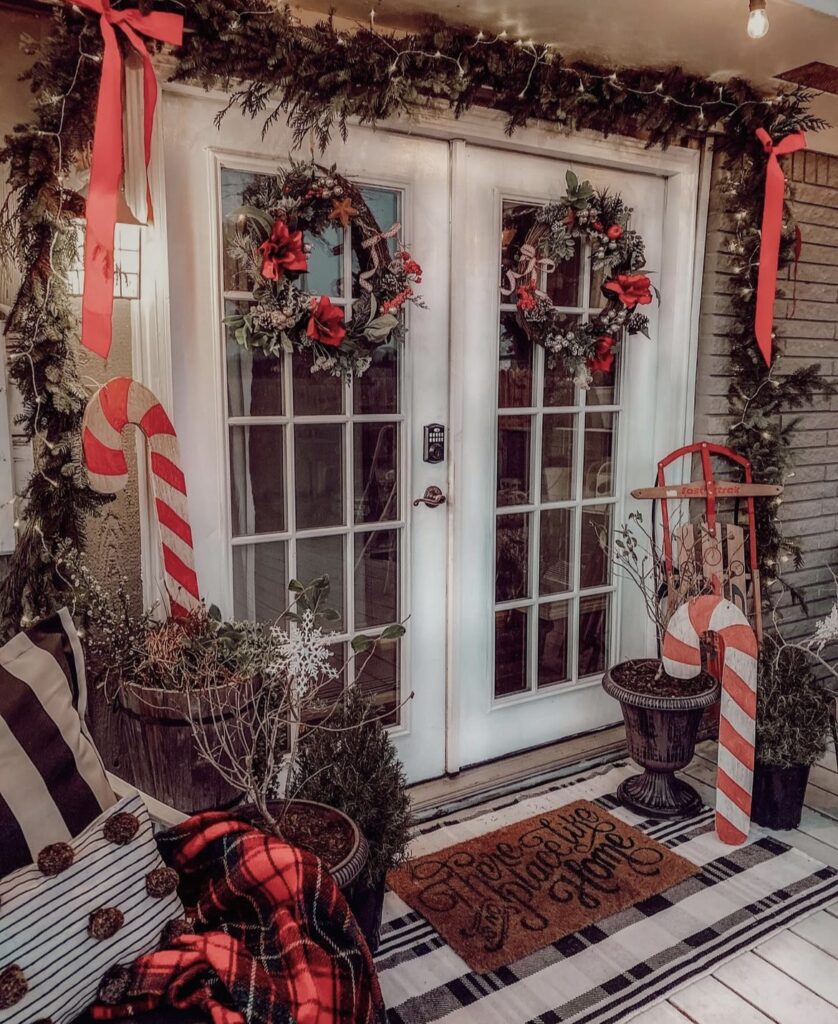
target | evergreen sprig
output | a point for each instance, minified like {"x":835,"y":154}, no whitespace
{"x":320,"y":79}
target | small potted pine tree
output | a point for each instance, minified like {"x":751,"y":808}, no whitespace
{"x":353,"y":765}
{"x":795,"y":710}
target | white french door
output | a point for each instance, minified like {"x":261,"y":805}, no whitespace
{"x":294,"y":474}
{"x":512,"y":609}
{"x":543,"y":471}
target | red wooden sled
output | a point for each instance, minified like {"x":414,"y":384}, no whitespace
{"x":739,"y":577}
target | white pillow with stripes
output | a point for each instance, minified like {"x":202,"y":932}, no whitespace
{"x":44,"y":920}
{"x":52,"y":781}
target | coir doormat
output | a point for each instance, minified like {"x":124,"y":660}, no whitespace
{"x":499,"y":896}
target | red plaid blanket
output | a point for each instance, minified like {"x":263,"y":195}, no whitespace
{"x":274,"y":940}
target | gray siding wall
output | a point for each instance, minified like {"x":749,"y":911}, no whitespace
{"x":809,"y":333}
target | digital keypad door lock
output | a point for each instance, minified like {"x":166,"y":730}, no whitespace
{"x":434,"y":442}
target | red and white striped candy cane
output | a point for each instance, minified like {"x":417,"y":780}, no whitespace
{"x":116,"y":404}
{"x":682,"y":659}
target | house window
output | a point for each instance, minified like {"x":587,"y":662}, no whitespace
{"x":126,"y":278}
{"x":315,"y":465}
{"x":556,"y":492}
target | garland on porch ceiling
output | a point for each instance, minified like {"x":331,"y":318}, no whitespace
{"x":320,"y":78}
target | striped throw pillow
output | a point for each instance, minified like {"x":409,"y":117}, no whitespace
{"x":52,"y":781}
{"x":56,"y":944}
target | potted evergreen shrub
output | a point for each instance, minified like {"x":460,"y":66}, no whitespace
{"x":662,"y":714}
{"x":353,"y":765}
{"x":794,"y":712}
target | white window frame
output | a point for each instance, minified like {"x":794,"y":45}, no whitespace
{"x":220,"y":158}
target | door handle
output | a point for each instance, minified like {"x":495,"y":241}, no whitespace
{"x":432,"y":497}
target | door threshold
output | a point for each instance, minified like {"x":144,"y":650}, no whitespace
{"x":516,"y":772}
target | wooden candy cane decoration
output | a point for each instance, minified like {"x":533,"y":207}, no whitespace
{"x":116,"y":404}
{"x":682,"y":659}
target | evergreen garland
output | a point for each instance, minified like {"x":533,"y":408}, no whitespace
{"x":319,"y":79}
{"x":37,"y":230}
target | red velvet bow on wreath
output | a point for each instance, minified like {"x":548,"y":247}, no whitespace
{"x":278,"y":214}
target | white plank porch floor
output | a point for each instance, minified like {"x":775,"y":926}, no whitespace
{"x":791,"y":978}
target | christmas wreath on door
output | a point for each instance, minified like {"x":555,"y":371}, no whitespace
{"x":279,"y":213}
{"x":598,"y":221}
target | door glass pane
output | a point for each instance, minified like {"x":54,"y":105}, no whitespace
{"x":378,"y":675}
{"x":553,"y":645}
{"x":517,"y":229}
{"x":514,"y":433}
{"x":595,"y":543}
{"x":598,"y":471}
{"x":376,"y":575}
{"x":318,"y":469}
{"x":376,"y":472}
{"x":512,"y":557}
{"x":515,"y":367}
{"x":559,"y":388}
{"x":324,"y":556}
{"x":254,"y":379}
{"x":511,"y":651}
{"x":604,"y":383}
{"x":257,"y":491}
{"x":385,"y":205}
{"x":593,"y":633}
{"x":233,"y":184}
{"x":555,"y":565}
{"x":377,"y":391}
{"x":564,"y":285}
{"x":325,"y":263}
{"x":260,"y":581}
{"x":557,"y":476}
{"x":598,"y":297}
{"x":315,"y":394}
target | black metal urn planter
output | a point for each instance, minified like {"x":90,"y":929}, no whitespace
{"x":662,"y":715}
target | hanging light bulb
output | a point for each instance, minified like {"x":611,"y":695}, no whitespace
{"x":757,"y":19}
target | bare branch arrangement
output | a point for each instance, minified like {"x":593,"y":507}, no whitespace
{"x":819,"y":647}
{"x":636,"y":555}
{"x":252,"y":731}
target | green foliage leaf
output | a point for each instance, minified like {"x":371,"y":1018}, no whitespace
{"x":381,"y":327}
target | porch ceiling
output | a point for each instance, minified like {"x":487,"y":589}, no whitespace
{"x":703,"y":36}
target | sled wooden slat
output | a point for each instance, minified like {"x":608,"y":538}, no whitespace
{"x":700,"y":489}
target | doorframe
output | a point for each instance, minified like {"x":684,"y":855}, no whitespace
{"x":687,"y":175}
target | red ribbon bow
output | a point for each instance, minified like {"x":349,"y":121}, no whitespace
{"x":772,"y":223}
{"x":106,"y":163}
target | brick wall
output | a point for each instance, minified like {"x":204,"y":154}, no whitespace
{"x":810,"y":333}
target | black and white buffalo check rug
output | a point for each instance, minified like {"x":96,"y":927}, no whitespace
{"x":607,"y":972}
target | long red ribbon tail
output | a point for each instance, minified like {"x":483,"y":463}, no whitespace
{"x":102,"y":194}
{"x":772,"y":224}
{"x":107,"y":157}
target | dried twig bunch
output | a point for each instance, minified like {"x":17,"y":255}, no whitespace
{"x":252,"y":731}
